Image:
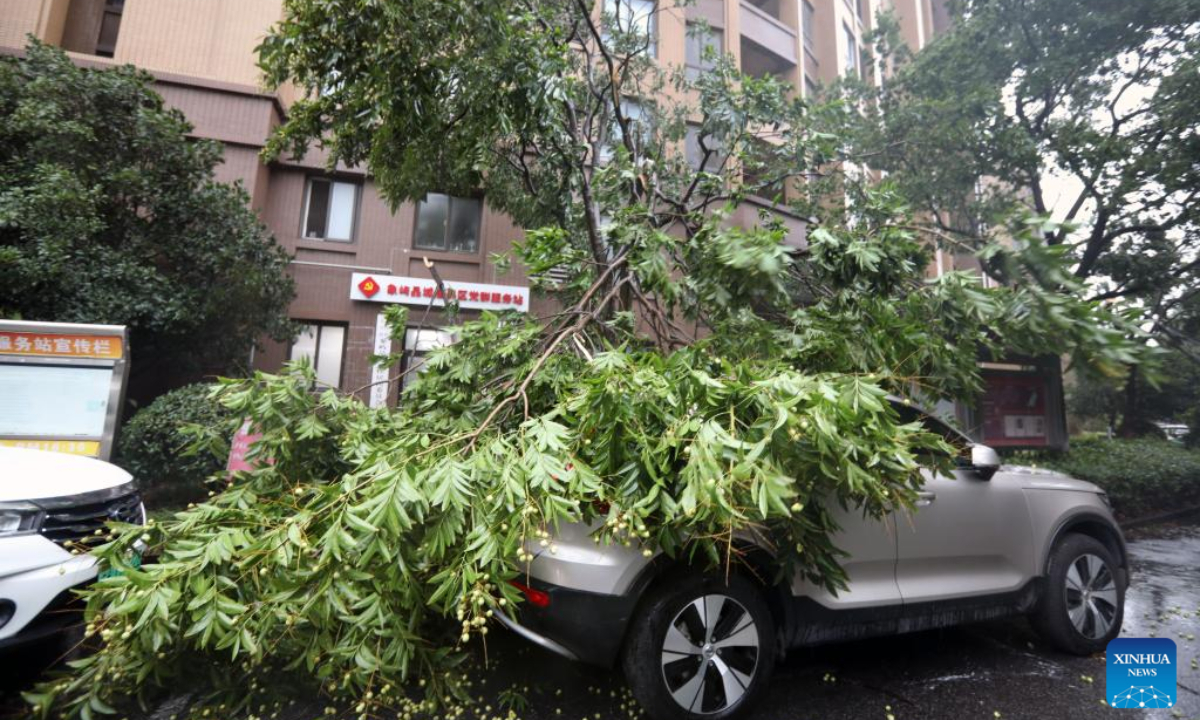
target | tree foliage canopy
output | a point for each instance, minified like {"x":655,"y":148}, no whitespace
{"x":1084,"y":109}
{"x":109,"y":214}
{"x":702,"y":382}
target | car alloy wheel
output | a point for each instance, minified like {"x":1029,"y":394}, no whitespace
{"x":710,"y":654}
{"x":1091,"y":596}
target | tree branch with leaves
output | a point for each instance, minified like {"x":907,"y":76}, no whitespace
{"x":371,"y":547}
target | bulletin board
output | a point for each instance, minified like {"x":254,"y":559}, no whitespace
{"x":62,"y":385}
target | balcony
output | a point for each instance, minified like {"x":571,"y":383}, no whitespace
{"x":768,"y":44}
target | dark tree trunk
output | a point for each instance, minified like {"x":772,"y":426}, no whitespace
{"x":1132,"y":422}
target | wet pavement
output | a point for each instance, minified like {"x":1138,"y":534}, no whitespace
{"x":990,"y":670}
{"x":1002,"y":667}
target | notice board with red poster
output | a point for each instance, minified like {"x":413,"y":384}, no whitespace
{"x":1019,"y":409}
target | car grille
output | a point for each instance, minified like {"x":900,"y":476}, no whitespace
{"x":79,"y":523}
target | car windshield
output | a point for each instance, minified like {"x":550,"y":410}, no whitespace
{"x":909,"y":414}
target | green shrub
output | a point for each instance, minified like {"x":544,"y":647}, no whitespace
{"x":1192,"y":418}
{"x":153,"y":446}
{"x":1141,"y":476}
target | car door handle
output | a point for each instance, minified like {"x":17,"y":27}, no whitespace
{"x":925,"y":498}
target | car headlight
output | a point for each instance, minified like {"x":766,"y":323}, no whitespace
{"x":19,"y":518}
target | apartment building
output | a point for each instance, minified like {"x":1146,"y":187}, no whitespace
{"x":351,"y":253}
{"x":335,"y":224}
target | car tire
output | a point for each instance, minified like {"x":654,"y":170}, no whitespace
{"x":700,"y":647}
{"x":1083,"y":603}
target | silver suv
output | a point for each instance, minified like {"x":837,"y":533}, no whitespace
{"x":990,"y":541}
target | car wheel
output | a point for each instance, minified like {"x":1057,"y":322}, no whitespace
{"x":700,"y":648}
{"x":1084,"y":600}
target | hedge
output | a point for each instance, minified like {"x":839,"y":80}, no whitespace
{"x":152,"y":446}
{"x":1142,"y":476}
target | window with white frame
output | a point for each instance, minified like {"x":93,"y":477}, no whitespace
{"x":851,"y":50}
{"x":323,"y":345}
{"x":632,"y":18}
{"x":418,"y":343}
{"x":809,"y":20}
{"x":704,"y":45}
{"x":329,"y":209}
{"x":448,"y":223}
{"x":694,"y":153}
{"x":638,"y":120}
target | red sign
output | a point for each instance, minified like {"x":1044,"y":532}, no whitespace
{"x":1014,"y":410}
{"x":368,"y":286}
{"x":240,"y":448}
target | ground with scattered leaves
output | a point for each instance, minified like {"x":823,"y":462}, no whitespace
{"x":985,"y":671}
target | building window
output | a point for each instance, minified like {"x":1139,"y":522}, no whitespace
{"x":851,"y":50}
{"x":417,"y":344}
{"x":809,"y":20}
{"x":110,"y":27}
{"x":448,"y":223}
{"x":639,"y":122}
{"x":704,"y":46}
{"x":634,"y":18}
{"x":323,"y":346}
{"x":811,"y":89}
{"x":693,"y":152}
{"x":329,"y":209}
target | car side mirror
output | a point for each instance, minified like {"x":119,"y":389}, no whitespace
{"x":984,"y":461}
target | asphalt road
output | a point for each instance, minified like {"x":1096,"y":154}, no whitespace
{"x":991,"y":670}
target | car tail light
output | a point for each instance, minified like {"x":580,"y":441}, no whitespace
{"x":536,"y":597}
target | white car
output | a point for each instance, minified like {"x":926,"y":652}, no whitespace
{"x":1175,"y":432}
{"x":51,"y":503}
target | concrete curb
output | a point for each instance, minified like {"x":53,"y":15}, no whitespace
{"x":1162,"y":517}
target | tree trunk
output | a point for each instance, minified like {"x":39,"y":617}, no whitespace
{"x":1131,"y":420}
